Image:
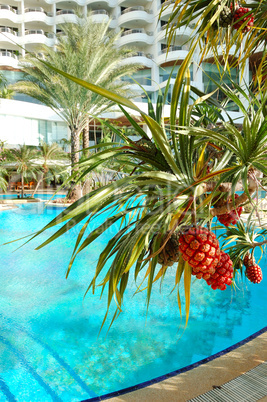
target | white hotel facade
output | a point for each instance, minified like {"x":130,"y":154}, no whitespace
{"x":32,"y":23}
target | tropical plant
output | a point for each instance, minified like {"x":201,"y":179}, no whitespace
{"x":225,"y":29}
{"x":22,"y":160}
{"x":88,"y":51}
{"x":3,"y":182}
{"x":182,"y":177}
{"x":48,"y":157}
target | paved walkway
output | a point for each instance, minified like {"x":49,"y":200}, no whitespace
{"x":204,"y":378}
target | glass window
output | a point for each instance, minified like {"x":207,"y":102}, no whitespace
{"x":143,"y":77}
{"x":211,"y":72}
{"x":165,"y":72}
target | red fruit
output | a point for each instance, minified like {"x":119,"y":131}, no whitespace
{"x":254,"y":273}
{"x":248,"y":260}
{"x":240,"y":19}
{"x":223,"y":273}
{"x":201,"y":249}
{"x":231,"y":217}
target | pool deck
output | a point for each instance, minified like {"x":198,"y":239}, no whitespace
{"x":203,"y":378}
{"x":8,"y":203}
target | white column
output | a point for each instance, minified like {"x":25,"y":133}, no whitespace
{"x":244,"y":83}
{"x":22,"y":28}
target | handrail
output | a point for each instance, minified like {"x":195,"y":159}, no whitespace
{"x":8,"y":54}
{"x":8,"y":30}
{"x":61,"y":12}
{"x":34,"y":32}
{"x":34,"y":10}
{"x":172,"y":49}
{"x":132,"y":31}
{"x":142,"y":54}
{"x":136,"y":8}
{"x":7,"y":7}
{"x":94,"y":12}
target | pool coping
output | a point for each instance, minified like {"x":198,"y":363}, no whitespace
{"x":146,"y":384}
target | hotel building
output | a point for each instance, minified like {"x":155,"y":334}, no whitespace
{"x":32,"y":23}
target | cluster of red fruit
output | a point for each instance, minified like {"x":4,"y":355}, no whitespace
{"x":201,"y":249}
{"x":253,"y":271}
{"x":230,"y":217}
{"x":240,"y":16}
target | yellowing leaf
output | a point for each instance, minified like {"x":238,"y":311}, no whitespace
{"x":200,"y":162}
{"x":187,"y":285}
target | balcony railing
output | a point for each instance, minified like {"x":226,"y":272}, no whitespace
{"x":34,"y":10}
{"x":143,"y":54}
{"x":8,"y":53}
{"x":37,"y":10}
{"x":9,"y":8}
{"x":172,"y":49}
{"x":8,"y":30}
{"x":95,"y":12}
{"x":49,"y":35}
{"x":129,"y":9}
{"x":63,"y":12}
{"x":34,"y":32}
{"x":132,"y":31}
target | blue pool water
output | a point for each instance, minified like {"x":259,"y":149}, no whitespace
{"x":38,"y":195}
{"x":49,"y":344}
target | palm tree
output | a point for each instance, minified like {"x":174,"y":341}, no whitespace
{"x":87,"y":50}
{"x":3,"y":182}
{"x":48,"y":155}
{"x":23,"y":160}
{"x":5,"y":91}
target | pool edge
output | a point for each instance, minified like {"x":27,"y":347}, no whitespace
{"x":177,"y":372}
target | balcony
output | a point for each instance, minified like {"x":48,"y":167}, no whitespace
{"x":99,"y":16}
{"x":96,"y":12}
{"x":37,"y":36}
{"x":167,"y":8}
{"x":34,"y":32}
{"x":66,"y":16}
{"x":125,"y":3}
{"x":34,"y":10}
{"x":101,"y":3}
{"x":182,"y":33}
{"x":135,"y":17}
{"x":8,"y":31}
{"x":172,"y":54}
{"x":37,"y":14}
{"x":8,"y":37}
{"x":8,"y":53}
{"x":136,"y":37}
{"x":8,"y":8}
{"x":63,"y":12}
{"x":9,"y":58}
{"x":8,"y":13}
{"x":142,"y":58}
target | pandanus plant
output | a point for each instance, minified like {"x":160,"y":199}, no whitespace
{"x":224,"y":29}
{"x":183,"y":175}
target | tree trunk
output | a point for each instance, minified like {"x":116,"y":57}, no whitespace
{"x":38,"y":184}
{"x":75,"y":192}
{"x":86,"y":142}
{"x":87,"y":186}
{"x":22,"y":186}
{"x":95,"y":136}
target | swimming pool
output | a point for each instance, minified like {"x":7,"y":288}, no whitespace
{"x":49,"y":344}
{"x":44,"y":196}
